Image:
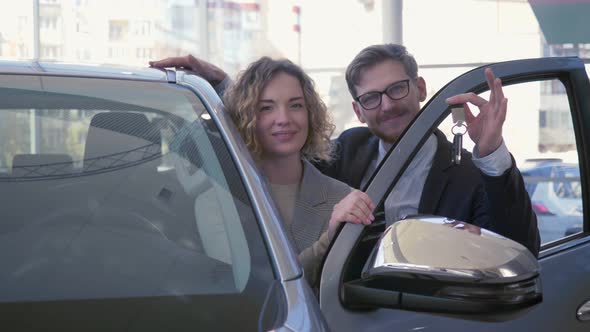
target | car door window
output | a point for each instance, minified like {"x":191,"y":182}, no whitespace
{"x":122,"y":209}
{"x":539,"y":133}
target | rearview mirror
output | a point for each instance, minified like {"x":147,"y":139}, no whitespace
{"x":442,"y":265}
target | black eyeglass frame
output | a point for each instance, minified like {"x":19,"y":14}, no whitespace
{"x":381,"y":93}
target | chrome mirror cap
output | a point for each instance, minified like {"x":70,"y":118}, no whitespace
{"x":448,"y":250}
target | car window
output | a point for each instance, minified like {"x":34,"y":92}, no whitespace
{"x":539,"y":133}
{"x":122,"y":204}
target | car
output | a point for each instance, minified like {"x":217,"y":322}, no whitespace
{"x":555,"y":192}
{"x":574,"y":229}
{"x":130,"y":202}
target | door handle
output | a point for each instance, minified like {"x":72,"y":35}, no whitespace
{"x":583,"y":313}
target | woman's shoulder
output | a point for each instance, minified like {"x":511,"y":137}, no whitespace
{"x":332,"y":185}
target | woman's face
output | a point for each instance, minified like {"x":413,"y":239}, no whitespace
{"x":282,"y":122}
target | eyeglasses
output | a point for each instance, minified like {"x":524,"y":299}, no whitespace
{"x":395,"y":91}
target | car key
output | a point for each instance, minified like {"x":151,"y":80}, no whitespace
{"x":458,"y":130}
{"x":457,"y":146}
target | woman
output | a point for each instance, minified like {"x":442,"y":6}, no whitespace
{"x":285,"y":125}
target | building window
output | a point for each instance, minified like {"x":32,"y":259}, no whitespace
{"x":542,"y":119}
{"x":50,"y":52}
{"x":83,"y":54}
{"x":118,"y":30}
{"x":116,"y":52}
{"x":22,"y":23}
{"x":182,"y":17}
{"x":143,"y":53}
{"x":143,"y":28}
{"x":49,"y":23}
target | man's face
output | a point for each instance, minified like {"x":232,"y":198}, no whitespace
{"x":389,"y":119}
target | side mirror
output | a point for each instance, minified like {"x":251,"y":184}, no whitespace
{"x":440,"y":265}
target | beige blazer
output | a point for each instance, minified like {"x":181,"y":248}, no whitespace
{"x":313,"y":208}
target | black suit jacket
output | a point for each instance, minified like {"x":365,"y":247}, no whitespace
{"x":461,"y":192}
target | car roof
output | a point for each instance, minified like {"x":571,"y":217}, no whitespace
{"x":548,"y":166}
{"x":28,"y":67}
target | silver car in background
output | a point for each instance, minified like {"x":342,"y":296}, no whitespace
{"x":556,"y":194}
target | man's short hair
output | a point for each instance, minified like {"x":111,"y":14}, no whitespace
{"x":375,"y":54}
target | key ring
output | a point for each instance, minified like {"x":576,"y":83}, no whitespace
{"x":459,"y":129}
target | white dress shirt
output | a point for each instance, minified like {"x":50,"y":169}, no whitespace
{"x":404,"y":199}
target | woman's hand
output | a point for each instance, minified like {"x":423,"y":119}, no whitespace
{"x":357,"y":208}
{"x":211,"y":73}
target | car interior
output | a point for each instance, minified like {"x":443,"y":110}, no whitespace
{"x":118,"y":218}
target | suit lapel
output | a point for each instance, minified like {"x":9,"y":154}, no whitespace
{"x":361,"y":161}
{"x":437,"y":177}
{"x":306,"y":225}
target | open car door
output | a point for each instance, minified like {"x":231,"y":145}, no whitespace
{"x":364,"y":289}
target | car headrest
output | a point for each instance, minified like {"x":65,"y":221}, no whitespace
{"x":116,"y":138}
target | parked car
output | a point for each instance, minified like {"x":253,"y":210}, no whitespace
{"x":556,"y":195}
{"x":574,"y":229}
{"x":131,"y":203}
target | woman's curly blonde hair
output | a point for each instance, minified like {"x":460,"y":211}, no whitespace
{"x":241,"y":101}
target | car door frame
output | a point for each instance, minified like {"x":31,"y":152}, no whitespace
{"x":569,"y":70}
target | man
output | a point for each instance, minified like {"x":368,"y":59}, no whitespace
{"x":486,"y":190}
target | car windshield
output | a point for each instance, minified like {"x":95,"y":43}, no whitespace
{"x":119,"y":189}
